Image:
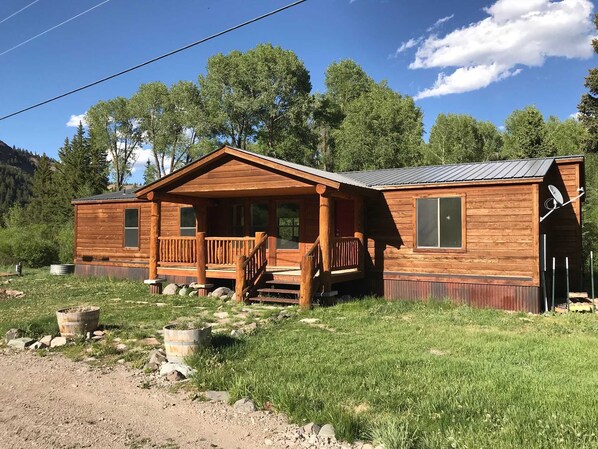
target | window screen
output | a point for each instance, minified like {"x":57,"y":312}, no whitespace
{"x":131,"y":228}
{"x":187,"y":220}
{"x":439,"y":223}
{"x":288,"y":226}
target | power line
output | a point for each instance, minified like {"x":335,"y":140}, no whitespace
{"x":150,"y":61}
{"x":53,"y":28}
{"x":19,"y":11}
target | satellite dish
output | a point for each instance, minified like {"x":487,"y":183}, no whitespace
{"x":556,"y":194}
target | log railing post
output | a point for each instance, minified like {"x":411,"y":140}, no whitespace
{"x":240,"y":284}
{"x":359,"y":231}
{"x":154,"y":239}
{"x":305,"y":288}
{"x":201,"y":257}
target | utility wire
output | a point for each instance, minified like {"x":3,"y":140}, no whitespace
{"x":150,"y":61}
{"x":53,"y":28}
{"x":19,"y":11}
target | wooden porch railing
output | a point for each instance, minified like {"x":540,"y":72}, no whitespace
{"x":251,"y":267}
{"x":345,"y":253}
{"x":177,"y":250}
{"x":311,"y":270}
{"x":224,"y":251}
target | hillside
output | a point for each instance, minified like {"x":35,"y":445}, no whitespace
{"x":16,"y":172}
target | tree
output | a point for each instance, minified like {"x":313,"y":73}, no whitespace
{"x":345,"y":82}
{"x":458,"y":138}
{"x":382,"y":129}
{"x":42,"y":208}
{"x":588,"y":106}
{"x":114,"y":130}
{"x":526,"y":135}
{"x":567,"y":137}
{"x":259,"y":97}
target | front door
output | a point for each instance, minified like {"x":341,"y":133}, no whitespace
{"x":287,"y":232}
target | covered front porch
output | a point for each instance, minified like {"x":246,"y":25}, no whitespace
{"x":282,"y":234}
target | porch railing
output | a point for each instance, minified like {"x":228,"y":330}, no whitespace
{"x":224,"y":251}
{"x":178,"y":250}
{"x":251,"y":268}
{"x":345,"y":253}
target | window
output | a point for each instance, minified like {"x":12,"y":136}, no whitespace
{"x":259,"y":218}
{"x":238,"y":220}
{"x":439,"y":223}
{"x":187,"y":222}
{"x":131,"y":228}
{"x":288,"y":226}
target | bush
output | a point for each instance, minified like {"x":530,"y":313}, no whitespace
{"x":35,"y":247}
{"x":65,"y":241}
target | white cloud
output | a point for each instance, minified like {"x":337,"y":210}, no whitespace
{"x":75,"y":119}
{"x":440,"y":22}
{"x":142,"y":155}
{"x":516,"y":33}
{"x":407,"y":45}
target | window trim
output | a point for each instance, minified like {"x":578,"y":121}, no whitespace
{"x":187,"y":227}
{"x":124,"y":228}
{"x":432,"y":249}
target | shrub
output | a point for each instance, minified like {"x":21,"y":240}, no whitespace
{"x":34,"y":250}
{"x":65,"y":241}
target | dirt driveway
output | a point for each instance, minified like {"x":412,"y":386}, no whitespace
{"x":53,"y":402}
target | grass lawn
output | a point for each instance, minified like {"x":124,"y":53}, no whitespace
{"x":408,"y":374}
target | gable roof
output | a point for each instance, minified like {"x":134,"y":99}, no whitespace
{"x":451,"y":173}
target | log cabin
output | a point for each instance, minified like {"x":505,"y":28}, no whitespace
{"x":284,"y":232}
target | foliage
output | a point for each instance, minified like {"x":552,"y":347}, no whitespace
{"x":16,"y":171}
{"x":588,"y":106}
{"x":345,"y":82}
{"x":567,"y":137}
{"x":458,"y":138}
{"x":526,"y":135}
{"x":113,"y":129}
{"x":33,"y":245}
{"x":381,"y":129}
{"x":65,"y":239}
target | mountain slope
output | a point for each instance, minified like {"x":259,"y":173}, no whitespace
{"x":16,"y":172}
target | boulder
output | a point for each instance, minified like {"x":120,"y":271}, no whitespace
{"x":175,"y":376}
{"x":327,"y":431}
{"x":21,"y":343}
{"x":170,"y":289}
{"x":156,"y":359}
{"x":193,"y":293}
{"x":222,"y":291}
{"x":121,"y":347}
{"x":13,"y":334}
{"x":57,"y":342}
{"x":169,"y":367}
{"x":217,"y":396}
{"x":37,"y":345}
{"x":245,"y":405}
{"x":311,"y":429}
{"x":46,"y":340}
{"x":184,"y":291}
{"x":236,"y":333}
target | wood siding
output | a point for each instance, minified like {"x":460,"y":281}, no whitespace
{"x":498,"y":237}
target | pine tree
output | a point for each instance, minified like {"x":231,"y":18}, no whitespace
{"x":588,"y":107}
{"x":44,"y":199}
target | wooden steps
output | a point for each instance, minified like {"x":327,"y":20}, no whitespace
{"x":280,"y":289}
{"x":274,"y":299}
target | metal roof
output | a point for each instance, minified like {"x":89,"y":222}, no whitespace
{"x":110,"y":196}
{"x":436,"y":174}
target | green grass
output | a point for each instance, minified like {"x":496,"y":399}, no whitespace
{"x":406,"y":374}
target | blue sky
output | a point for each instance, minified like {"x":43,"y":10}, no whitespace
{"x":483,"y":58}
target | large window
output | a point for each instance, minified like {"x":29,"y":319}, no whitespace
{"x":439,"y":223}
{"x":238,"y":220}
{"x":187,"y":222}
{"x":131,"y":228}
{"x":288,"y":226}
{"x":259,"y":218}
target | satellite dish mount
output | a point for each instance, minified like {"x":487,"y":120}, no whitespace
{"x":557,"y":201}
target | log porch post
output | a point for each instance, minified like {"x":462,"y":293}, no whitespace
{"x":359,"y":230}
{"x":200,"y":239}
{"x":201,"y":215}
{"x":325,"y":235}
{"x":156,"y":209}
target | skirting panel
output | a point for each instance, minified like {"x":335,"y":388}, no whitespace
{"x":112,"y":271}
{"x":507,"y":297}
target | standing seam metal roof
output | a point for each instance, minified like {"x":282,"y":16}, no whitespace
{"x":475,"y":171}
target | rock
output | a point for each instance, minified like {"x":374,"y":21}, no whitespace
{"x":156,"y":358}
{"x":268,"y":442}
{"x":217,"y":396}
{"x":170,"y":289}
{"x":175,"y":376}
{"x":184,"y":291}
{"x":150,"y":341}
{"x":283,"y":314}
{"x":327,"y":431}
{"x":233,"y":298}
{"x":46,"y":340}
{"x":37,"y":345}
{"x":250,"y":327}
{"x":21,"y":343}
{"x":13,"y":334}
{"x":222,"y":291}
{"x":57,"y":342}
{"x":121,"y":347}
{"x":13,"y":293}
{"x":245,"y":405}
{"x":309,"y":320}
{"x":311,"y":429}
{"x":169,"y":367}
{"x":221,"y":315}
{"x":99,"y":333}
{"x":367,"y":446}
{"x":193,"y":293}
{"x":236,"y":333}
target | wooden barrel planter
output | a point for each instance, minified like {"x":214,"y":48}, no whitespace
{"x":77,"y":321}
{"x":62,"y":269}
{"x":180,"y":343}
